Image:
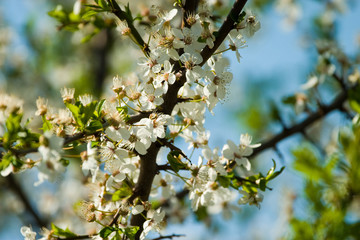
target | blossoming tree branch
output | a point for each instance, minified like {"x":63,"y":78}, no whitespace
{"x":136,"y":174}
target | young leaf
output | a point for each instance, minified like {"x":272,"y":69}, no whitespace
{"x":124,"y":192}
{"x":61,"y":232}
{"x":106,"y":231}
{"x":130,"y":232}
{"x":175,"y":162}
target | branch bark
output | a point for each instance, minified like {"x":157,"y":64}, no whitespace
{"x":337,"y":104}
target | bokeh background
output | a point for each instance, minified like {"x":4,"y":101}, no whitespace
{"x":37,"y":59}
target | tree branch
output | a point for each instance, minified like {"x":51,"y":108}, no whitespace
{"x":169,"y":236}
{"x":189,"y":8}
{"x":337,"y":104}
{"x":224,"y":30}
{"x":134,"y":32}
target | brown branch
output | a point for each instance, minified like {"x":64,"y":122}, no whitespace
{"x":169,"y":236}
{"x":75,"y":238}
{"x":337,"y":104}
{"x":173,"y":148}
{"x":189,"y":8}
{"x":134,"y":32}
{"x":224,"y":30}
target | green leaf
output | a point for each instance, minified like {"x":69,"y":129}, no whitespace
{"x":307,"y":163}
{"x":124,"y":192}
{"x":106,"y":231}
{"x":174,"y":159}
{"x":128,"y":13}
{"x":130,"y":232}
{"x":94,"y":126}
{"x":13,"y":127}
{"x":241,"y":17}
{"x":224,"y":181}
{"x":75,"y":110}
{"x":262,"y":184}
{"x":90,"y":36}
{"x":59,"y":14}
{"x":99,"y":107}
{"x":272,"y":174}
{"x":355,"y":105}
{"x":89,"y":14}
{"x":103,"y":4}
{"x":47,"y":126}
{"x":61,"y":232}
{"x":290,"y":100}
{"x":88,"y":111}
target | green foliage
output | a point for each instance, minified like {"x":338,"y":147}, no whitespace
{"x":174,"y":160}
{"x":16,"y":137}
{"x":331,"y":188}
{"x":354,"y":98}
{"x":106,"y":231}
{"x":123,"y":192}
{"x":9,"y":158}
{"x":90,"y":14}
{"x":87,"y":117}
{"x":130,"y":232}
{"x":249,"y":184}
{"x":61,"y":232}
{"x":124,"y":112}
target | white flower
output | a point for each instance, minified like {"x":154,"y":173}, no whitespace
{"x":165,"y":17}
{"x":250,"y":25}
{"x":167,"y":188}
{"x":239,"y":153}
{"x":28,"y":233}
{"x":50,"y":165}
{"x":236,"y":42}
{"x":152,"y":64}
{"x":154,"y":222}
{"x":251,"y":198}
{"x":189,"y":38}
{"x":137,"y":209}
{"x":86,"y":99}
{"x":117,"y":134}
{"x":312,"y":82}
{"x":193,"y":72}
{"x":165,"y":78}
{"x":67,"y":94}
{"x":90,"y":163}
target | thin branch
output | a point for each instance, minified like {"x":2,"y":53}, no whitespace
{"x":134,"y":32}
{"x":189,"y":8}
{"x":173,"y":148}
{"x":169,"y":236}
{"x":224,"y":30}
{"x":75,"y":238}
{"x":298,"y":128}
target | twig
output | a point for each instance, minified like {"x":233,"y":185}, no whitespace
{"x":298,"y":128}
{"x":173,"y":148}
{"x":169,"y":236}
{"x":189,"y":8}
{"x":134,"y":32}
{"x":225,"y":28}
{"x":75,"y":238}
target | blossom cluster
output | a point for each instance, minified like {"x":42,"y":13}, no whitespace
{"x":119,"y":143}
